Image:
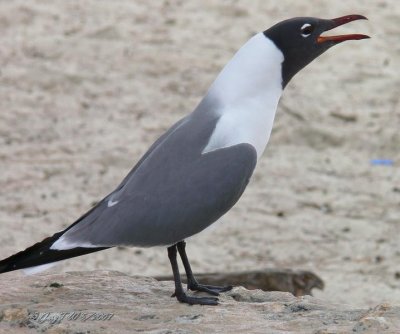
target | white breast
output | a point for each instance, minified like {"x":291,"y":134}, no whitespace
{"x":248,"y":90}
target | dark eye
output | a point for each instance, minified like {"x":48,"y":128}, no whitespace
{"x":306,"y":29}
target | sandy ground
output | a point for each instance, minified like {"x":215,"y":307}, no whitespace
{"x":87,"y":86}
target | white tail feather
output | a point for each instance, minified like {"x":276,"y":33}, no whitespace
{"x":37,"y":269}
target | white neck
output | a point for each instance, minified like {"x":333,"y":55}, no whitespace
{"x":248,"y":91}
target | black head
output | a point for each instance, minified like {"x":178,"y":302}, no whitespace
{"x":301,"y":42}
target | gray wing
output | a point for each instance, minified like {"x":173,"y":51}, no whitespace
{"x":163,"y":137}
{"x":174,"y":191}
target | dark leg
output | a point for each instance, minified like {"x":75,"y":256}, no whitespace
{"x":179,"y":293}
{"x":192,"y":283}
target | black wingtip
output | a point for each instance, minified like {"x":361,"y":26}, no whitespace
{"x":40,"y":253}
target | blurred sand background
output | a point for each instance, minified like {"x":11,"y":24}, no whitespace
{"x":87,"y":86}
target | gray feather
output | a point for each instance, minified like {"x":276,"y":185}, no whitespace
{"x":174,"y":191}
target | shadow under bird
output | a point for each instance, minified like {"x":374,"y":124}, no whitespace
{"x":197,"y":170}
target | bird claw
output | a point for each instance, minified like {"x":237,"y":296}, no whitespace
{"x":184,"y":298}
{"x":211,"y":289}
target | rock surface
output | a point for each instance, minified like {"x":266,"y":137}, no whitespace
{"x":298,"y":283}
{"x":112,"y":302}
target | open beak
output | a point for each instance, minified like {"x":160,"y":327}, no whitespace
{"x":341,"y":38}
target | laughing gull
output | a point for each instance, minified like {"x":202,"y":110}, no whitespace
{"x":197,"y":170}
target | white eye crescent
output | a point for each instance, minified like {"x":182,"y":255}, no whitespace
{"x":306,"y":29}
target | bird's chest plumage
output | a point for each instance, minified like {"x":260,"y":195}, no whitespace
{"x":249,"y":123}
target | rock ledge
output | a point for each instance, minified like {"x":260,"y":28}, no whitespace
{"x":112,"y":302}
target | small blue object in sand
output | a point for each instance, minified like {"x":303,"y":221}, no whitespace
{"x":382,"y":162}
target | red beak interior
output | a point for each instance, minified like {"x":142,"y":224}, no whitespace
{"x":341,"y":38}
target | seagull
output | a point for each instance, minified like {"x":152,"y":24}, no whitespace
{"x":198,"y":169}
